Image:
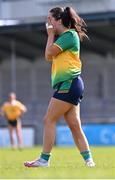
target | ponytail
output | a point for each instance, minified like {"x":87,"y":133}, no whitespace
{"x":70,"y":19}
{"x":77,"y":23}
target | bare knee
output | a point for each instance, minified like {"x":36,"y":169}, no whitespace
{"x":75,"y":127}
{"x":47,"y":121}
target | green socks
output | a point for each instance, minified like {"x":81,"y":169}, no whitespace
{"x":86,"y":155}
{"x":45,"y":156}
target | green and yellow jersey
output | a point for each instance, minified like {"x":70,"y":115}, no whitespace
{"x":67,"y":65}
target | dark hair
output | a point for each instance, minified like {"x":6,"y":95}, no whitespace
{"x":70,"y":19}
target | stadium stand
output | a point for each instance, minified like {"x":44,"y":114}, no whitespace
{"x":24,"y":70}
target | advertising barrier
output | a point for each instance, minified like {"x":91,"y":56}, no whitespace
{"x":28,"y":137}
{"x":97,"y":135}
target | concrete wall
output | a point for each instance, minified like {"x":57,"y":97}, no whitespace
{"x":99,"y":96}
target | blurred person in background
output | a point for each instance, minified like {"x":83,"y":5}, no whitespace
{"x":12,"y":110}
{"x":65,"y":29}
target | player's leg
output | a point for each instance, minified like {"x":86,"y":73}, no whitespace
{"x":72,"y":117}
{"x":55,"y":110}
{"x":19,"y":134}
{"x":11,"y":133}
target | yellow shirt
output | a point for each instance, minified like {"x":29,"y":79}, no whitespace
{"x":12,"y":111}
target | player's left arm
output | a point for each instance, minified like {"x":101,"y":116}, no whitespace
{"x":23,"y":108}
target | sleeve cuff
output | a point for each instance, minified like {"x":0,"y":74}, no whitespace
{"x":58,"y":46}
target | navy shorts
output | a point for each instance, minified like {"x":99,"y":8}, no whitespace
{"x":75,"y":93}
{"x":12,"y":123}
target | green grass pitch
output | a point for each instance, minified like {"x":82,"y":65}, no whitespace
{"x":66,"y":163}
